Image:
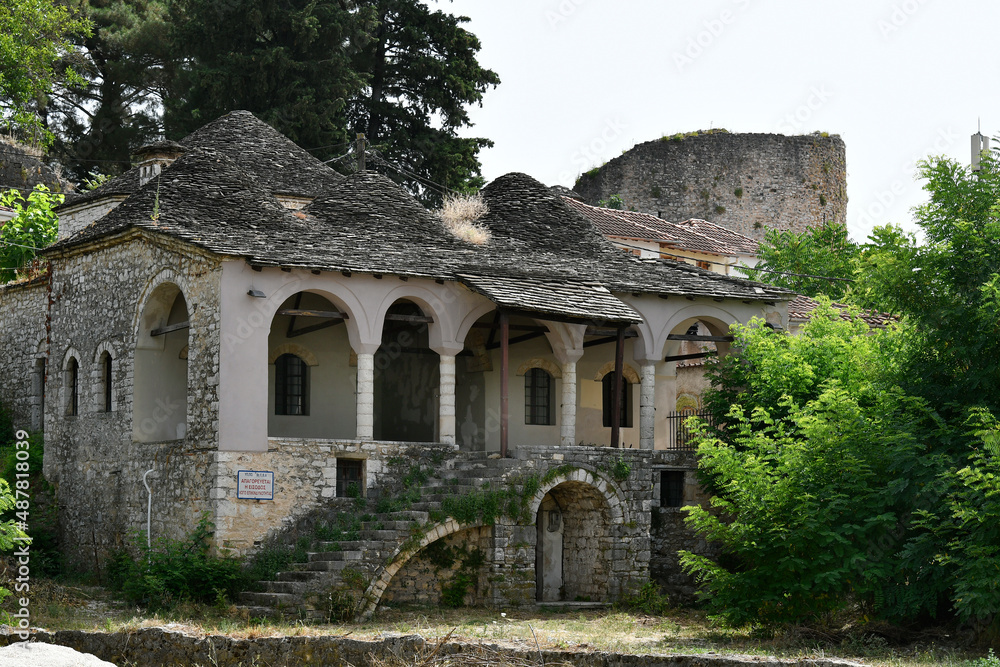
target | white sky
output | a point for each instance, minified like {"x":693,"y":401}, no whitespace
{"x":584,"y":80}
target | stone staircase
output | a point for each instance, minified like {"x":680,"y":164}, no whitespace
{"x":331,"y":580}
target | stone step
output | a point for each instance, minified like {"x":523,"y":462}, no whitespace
{"x":381,"y":535}
{"x":296,"y":575}
{"x":389,"y":524}
{"x":289,"y":587}
{"x":328,"y":565}
{"x":263,"y":599}
{"x":258,"y":611}
{"x":314,"y":556}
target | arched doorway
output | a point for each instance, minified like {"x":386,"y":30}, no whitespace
{"x":407,"y":376}
{"x":159,"y":394}
{"x":573,"y":529}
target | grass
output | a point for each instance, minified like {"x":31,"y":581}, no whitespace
{"x":460,"y":214}
{"x":61,"y":606}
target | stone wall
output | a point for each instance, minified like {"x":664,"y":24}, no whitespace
{"x":22,"y":342}
{"x":305,"y":475}
{"x":452,"y":565}
{"x":91,"y":458}
{"x":156,"y":646}
{"x":669,"y":534}
{"x":744,"y":182}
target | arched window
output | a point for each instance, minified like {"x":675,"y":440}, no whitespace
{"x":73,"y":388}
{"x":626,"y":402}
{"x":107,"y":382}
{"x":291,"y":386}
{"x":538,"y":392}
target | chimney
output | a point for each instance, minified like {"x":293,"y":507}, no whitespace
{"x":152,"y":158}
{"x":980,"y":147}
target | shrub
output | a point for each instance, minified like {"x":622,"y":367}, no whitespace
{"x":175,"y":570}
{"x":461,"y":213}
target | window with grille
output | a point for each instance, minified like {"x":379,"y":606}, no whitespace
{"x":290,"y":386}
{"x":538,"y":392}
{"x":671,"y":488}
{"x":625,"y":420}
{"x":349,"y":481}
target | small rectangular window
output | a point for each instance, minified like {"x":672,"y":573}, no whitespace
{"x":538,"y":397}
{"x":671,"y":488}
{"x":349,"y":478}
{"x":291,"y":386}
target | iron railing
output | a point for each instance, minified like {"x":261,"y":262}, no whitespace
{"x":679,"y":436}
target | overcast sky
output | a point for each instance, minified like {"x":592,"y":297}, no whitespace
{"x":583,"y":80}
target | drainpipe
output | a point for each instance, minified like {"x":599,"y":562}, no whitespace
{"x":149,"y":509}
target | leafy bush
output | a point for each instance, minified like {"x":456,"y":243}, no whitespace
{"x":648,"y":600}
{"x":175,"y":570}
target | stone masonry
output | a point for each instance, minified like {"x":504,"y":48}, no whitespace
{"x":745,"y":182}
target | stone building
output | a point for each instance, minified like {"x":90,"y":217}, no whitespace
{"x":744,"y":182}
{"x":279,"y":344}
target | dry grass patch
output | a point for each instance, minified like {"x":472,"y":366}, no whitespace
{"x":461,"y":214}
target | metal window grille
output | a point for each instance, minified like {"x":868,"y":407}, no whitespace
{"x":290,"y":386}
{"x":537,"y":397}
{"x":348,"y":474}
{"x":625,"y":421}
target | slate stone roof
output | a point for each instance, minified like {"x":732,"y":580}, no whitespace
{"x":542,"y":255}
{"x":694,"y":234}
{"x":801,"y":308}
{"x":265,"y":153}
{"x":260,"y":150}
{"x":561,"y":298}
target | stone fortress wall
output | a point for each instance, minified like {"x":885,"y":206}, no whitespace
{"x":745,"y":182}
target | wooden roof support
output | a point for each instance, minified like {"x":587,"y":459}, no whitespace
{"x":616,"y":397}
{"x":170,"y":327}
{"x":701,"y":339}
{"x":504,"y":382}
{"x":684,"y":357}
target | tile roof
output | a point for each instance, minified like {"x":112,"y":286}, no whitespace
{"x":693,"y":234}
{"x":801,"y":308}
{"x":366,"y":223}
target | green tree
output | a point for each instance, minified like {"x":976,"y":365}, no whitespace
{"x":113,"y":109}
{"x":33,"y":227}
{"x":947,"y":284}
{"x":819,"y":474}
{"x":34,"y":37}
{"x":791,"y":258}
{"x":287,"y":61}
{"x":421,"y":73}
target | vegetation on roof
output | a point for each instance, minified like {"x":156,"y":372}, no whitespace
{"x":461,"y":214}
{"x":681,"y":136}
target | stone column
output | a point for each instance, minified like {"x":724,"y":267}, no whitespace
{"x":446,"y":403}
{"x":568,"y":428}
{"x":647,"y":405}
{"x":366,"y":396}
{"x":447,"y":424}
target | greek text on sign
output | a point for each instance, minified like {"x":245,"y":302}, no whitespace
{"x":255,"y":484}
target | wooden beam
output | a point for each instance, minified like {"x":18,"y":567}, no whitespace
{"x":504,"y":388}
{"x":517,"y":339}
{"x":605,"y":331}
{"x":170,"y":327}
{"x":616,"y":397}
{"x":411,"y":319}
{"x":701,"y":339}
{"x":299,"y":312}
{"x":312,"y":327}
{"x":683,"y":357}
{"x":534,"y":328}
{"x":600,"y":341}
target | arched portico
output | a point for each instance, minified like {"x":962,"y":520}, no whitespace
{"x":160,"y":373}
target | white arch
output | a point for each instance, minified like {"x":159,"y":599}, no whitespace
{"x":340,"y":296}
{"x":165,"y":275}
